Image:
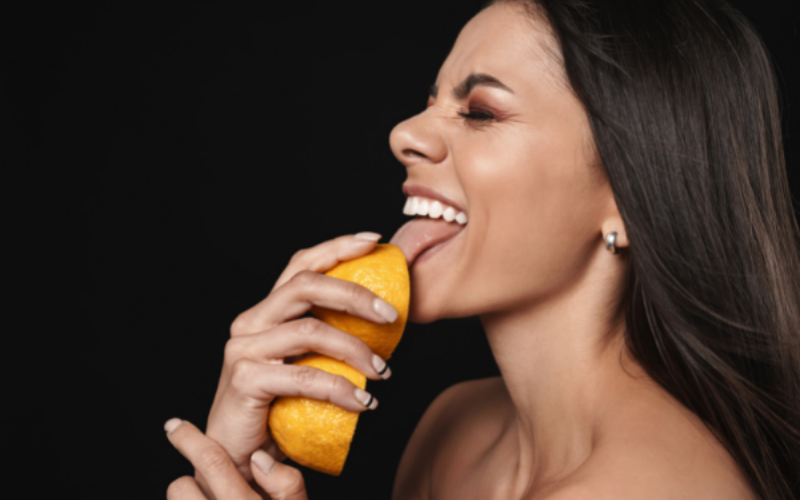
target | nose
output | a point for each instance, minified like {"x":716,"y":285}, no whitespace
{"x":417,"y":141}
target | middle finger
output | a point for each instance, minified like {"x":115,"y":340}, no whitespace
{"x":307,"y":289}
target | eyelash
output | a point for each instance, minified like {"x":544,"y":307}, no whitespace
{"x":476,"y":116}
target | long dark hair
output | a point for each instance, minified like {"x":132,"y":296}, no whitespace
{"x":683,"y":104}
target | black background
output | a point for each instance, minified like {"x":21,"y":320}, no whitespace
{"x":163,"y":162}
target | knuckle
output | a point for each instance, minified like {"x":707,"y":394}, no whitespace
{"x":304,"y":278}
{"x":180,"y":488}
{"x":295,"y":485}
{"x":340,"y":384}
{"x":213,"y":461}
{"x":240,"y":325}
{"x":353,"y":291}
{"x":357,"y":294}
{"x":242,"y":375}
{"x":233,"y":351}
{"x":304,"y":376}
{"x":309,"y":326}
{"x":298,"y":256}
{"x":357,"y":346}
{"x":358,"y":350}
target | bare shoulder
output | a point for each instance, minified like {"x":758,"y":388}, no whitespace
{"x":633,"y":478}
{"x":475,"y":408}
{"x":627,"y":486}
{"x":661,"y":452}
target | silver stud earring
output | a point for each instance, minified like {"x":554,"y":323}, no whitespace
{"x":611,"y":243}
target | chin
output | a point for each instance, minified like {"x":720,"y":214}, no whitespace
{"x":438,"y":285}
{"x":422,"y":317}
{"x":427,"y":304}
{"x":421,"y":310}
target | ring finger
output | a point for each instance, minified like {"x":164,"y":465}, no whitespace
{"x":256,"y":383}
{"x":304,"y":335}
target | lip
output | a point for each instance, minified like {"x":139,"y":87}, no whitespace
{"x":417,"y":190}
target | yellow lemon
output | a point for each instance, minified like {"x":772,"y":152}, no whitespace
{"x":318,"y":434}
{"x":384,"y":271}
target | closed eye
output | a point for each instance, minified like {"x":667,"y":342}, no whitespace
{"x":476,"y":116}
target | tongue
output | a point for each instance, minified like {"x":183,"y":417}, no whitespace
{"x":417,"y":235}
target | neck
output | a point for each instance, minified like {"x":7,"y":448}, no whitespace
{"x":561,"y":360}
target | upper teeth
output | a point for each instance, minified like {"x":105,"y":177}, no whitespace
{"x":417,"y":205}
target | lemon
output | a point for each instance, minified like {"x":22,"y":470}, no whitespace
{"x":318,"y":434}
{"x":384,"y":271}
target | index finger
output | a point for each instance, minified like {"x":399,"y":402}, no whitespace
{"x":327,"y":255}
{"x":210,"y":460}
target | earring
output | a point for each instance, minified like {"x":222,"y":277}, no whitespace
{"x":611,"y":243}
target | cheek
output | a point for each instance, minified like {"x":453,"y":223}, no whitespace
{"x":533,"y":206}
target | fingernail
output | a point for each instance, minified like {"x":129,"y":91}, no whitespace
{"x":366,"y":399}
{"x":381,"y":367}
{"x":263,"y":461}
{"x":367,"y":236}
{"x":384,"y":309}
{"x":172,"y":424}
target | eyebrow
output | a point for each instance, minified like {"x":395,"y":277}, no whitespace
{"x":462,"y":90}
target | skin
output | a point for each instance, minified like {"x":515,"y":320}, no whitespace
{"x":573,"y":416}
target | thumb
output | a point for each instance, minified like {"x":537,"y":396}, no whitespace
{"x":279,"y":481}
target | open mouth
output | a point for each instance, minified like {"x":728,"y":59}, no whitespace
{"x":435,"y":225}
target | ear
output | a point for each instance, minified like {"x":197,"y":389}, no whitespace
{"x":612,"y":223}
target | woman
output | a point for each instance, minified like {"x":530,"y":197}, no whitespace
{"x":630,"y":248}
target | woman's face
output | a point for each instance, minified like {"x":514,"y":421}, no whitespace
{"x":522,"y":168}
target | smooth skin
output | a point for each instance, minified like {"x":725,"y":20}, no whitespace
{"x":573,"y":415}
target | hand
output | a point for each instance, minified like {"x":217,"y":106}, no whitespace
{"x":254,"y":372}
{"x":224,"y":482}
